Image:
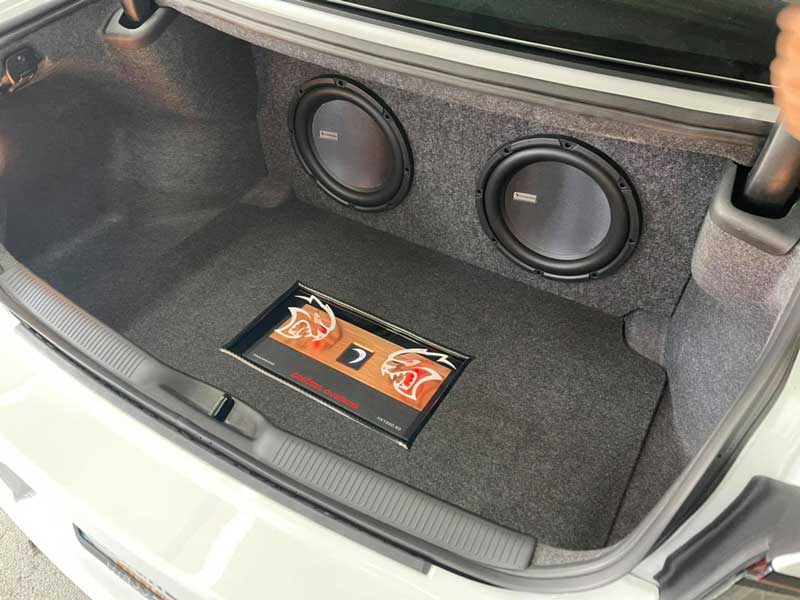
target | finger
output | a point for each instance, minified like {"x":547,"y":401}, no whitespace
{"x":789,"y":19}
{"x":785,"y":90}
{"x":787,"y":98}
{"x":784,"y":72}
{"x":788,"y":44}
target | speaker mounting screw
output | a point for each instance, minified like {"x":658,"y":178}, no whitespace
{"x":622,"y":184}
{"x":340,"y":83}
{"x":506,"y":150}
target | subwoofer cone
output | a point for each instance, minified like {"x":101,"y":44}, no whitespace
{"x":351,"y":143}
{"x":558,"y":208}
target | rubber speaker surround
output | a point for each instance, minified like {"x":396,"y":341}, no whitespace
{"x":563,"y":181}
{"x":384,"y":163}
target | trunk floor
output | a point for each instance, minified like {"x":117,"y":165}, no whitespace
{"x":540,"y":433}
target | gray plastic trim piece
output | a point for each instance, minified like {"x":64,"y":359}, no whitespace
{"x":774,"y":236}
{"x":399,"y":505}
{"x":91,"y":336}
{"x":116,"y":34}
{"x":243,"y":419}
{"x":103,"y":344}
{"x":775,"y":175}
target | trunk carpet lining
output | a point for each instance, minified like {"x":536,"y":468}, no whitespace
{"x":540,"y":433}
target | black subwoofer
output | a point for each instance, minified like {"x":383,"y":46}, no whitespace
{"x":559,"y":208}
{"x":351,"y":143}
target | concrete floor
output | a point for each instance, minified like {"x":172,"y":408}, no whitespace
{"x":25,"y":573}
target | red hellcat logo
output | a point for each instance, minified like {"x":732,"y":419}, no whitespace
{"x":407,"y":373}
{"x":305,"y":324}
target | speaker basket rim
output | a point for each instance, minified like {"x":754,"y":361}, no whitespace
{"x":384,"y":197}
{"x":541,"y":264}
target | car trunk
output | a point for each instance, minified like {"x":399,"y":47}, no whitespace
{"x":156,"y":188}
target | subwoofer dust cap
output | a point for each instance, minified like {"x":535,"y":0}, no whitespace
{"x":351,"y":143}
{"x":559,"y":208}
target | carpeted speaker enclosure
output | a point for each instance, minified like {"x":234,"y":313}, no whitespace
{"x":624,"y":216}
{"x":308,"y":100}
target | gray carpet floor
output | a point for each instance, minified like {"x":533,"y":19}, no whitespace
{"x":540,"y":433}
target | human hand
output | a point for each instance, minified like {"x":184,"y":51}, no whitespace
{"x":785,"y":69}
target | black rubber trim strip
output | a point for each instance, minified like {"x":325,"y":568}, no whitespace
{"x":761,"y":523}
{"x":347,"y":487}
{"x":682,"y":121}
